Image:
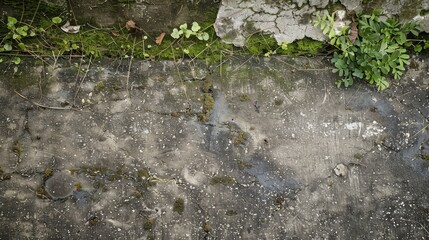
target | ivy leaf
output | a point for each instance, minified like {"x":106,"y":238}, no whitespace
{"x":11,"y":21}
{"x":21,"y":46}
{"x":175,"y":34}
{"x":188,"y":33}
{"x":7,"y":47}
{"x":56,"y":20}
{"x":184,"y":26}
{"x":16,"y":60}
{"x":22,"y":31}
{"x":206,"y":37}
{"x":195,"y":27}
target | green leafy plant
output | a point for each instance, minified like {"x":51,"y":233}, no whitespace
{"x":194,"y":31}
{"x":18,"y":32}
{"x":281,"y":45}
{"x":371,"y":48}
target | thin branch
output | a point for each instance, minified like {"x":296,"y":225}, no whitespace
{"x":129,"y":68}
{"x":41,"y":105}
{"x":421,"y":130}
{"x":82,"y":80}
{"x":421,"y":225}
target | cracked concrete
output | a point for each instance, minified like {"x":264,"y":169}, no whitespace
{"x":288,"y":21}
{"x":284,"y":154}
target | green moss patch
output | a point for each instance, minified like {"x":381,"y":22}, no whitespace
{"x":224,"y":180}
{"x":179,"y":206}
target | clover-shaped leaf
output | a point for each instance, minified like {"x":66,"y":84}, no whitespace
{"x":184,"y":26}
{"x":188,"y":33}
{"x":176,"y":33}
{"x":11,"y":21}
{"x":203,"y":36}
{"x":206,"y":36}
{"x":195,"y":27}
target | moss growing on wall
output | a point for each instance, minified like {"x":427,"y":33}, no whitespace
{"x":118,"y":42}
{"x":179,"y":206}
{"x":263,"y":44}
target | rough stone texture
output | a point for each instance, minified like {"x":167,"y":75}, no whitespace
{"x":292,"y":20}
{"x":153,"y":15}
{"x":262,"y":167}
{"x":238,"y":20}
{"x":150,"y":15}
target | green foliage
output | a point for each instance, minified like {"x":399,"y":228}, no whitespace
{"x":263,"y":45}
{"x":56,"y":20}
{"x":194,"y":31}
{"x":372,"y":51}
{"x":19,"y":35}
{"x":196,"y":41}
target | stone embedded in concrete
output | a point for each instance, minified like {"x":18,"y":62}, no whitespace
{"x":282,"y":20}
{"x":340,"y":170}
{"x":60,"y":185}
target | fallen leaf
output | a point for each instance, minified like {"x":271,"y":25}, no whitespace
{"x":130,"y":24}
{"x":69,"y":28}
{"x":159,"y":39}
{"x":115,"y":34}
{"x":353,"y":32}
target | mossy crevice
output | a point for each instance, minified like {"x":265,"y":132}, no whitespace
{"x":261,"y":44}
{"x":4,"y":175}
{"x":179,"y":206}
{"x":207,"y":100}
{"x":223,"y":180}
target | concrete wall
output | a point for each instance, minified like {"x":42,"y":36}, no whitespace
{"x":153,"y":16}
{"x":236,"y":19}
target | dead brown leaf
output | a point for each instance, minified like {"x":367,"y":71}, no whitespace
{"x":353,"y":32}
{"x":115,"y":34}
{"x":159,"y":39}
{"x":130,"y":24}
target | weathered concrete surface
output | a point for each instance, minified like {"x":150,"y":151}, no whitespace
{"x":291,"y":20}
{"x":153,"y":16}
{"x":284,"y":154}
